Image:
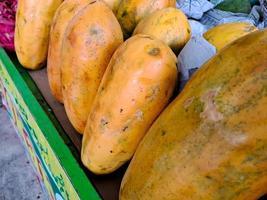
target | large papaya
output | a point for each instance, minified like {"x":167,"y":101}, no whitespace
{"x":130,"y":12}
{"x":137,"y":85}
{"x":211,"y":142}
{"x":33,"y":22}
{"x":66,"y":11}
{"x":88,"y":45}
{"x":169,"y":25}
{"x":223,"y":34}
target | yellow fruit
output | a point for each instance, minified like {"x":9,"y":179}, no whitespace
{"x":222,"y":35}
{"x":136,"y":87}
{"x":33,"y":22}
{"x":67,"y":10}
{"x":169,"y":25}
{"x":90,"y":41}
{"x":210,"y":143}
{"x":131,"y":12}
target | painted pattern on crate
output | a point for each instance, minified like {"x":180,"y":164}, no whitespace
{"x":24,"y":136}
{"x":51,"y":173}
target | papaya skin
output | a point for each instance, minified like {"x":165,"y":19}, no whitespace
{"x":170,"y":25}
{"x":66,"y":11}
{"x":222,"y":35}
{"x":136,"y":87}
{"x":131,"y":12}
{"x":33,"y":22}
{"x":113,"y":4}
{"x":89,"y":43}
{"x":210,"y":142}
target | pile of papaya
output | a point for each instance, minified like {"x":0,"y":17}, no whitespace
{"x":113,"y":64}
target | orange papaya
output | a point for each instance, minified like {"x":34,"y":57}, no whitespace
{"x":223,"y":34}
{"x":130,"y":12}
{"x":67,"y":10}
{"x":169,"y":25}
{"x":136,"y":87}
{"x":210,"y":143}
{"x":33,"y":22}
{"x":88,"y":45}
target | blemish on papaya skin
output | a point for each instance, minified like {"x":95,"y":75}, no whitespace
{"x":188,"y":102}
{"x":163,"y":133}
{"x":103,"y":122}
{"x":210,"y":112}
{"x":93,"y":2}
{"x":188,"y":31}
{"x":94,"y":31}
{"x":154,"y":51}
{"x":125,"y":128}
{"x":208,"y":177}
{"x":71,"y":9}
{"x":139,"y":115}
{"x":236,"y":139}
{"x":24,"y":20}
{"x":153,"y":93}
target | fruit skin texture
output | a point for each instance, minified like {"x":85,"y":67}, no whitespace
{"x":222,"y":35}
{"x":33,"y":22}
{"x":88,"y":45}
{"x":137,"y":85}
{"x":113,"y":4}
{"x":130,"y":12}
{"x":169,"y":25}
{"x":210,"y":142}
{"x":67,"y":10}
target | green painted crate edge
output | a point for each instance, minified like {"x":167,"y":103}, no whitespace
{"x":79,"y":180}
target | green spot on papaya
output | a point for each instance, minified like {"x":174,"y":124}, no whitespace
{"x":188,"y":31}
{"x":163,"y":133}
{"x":125,"y":13}
{"x":93,"y":31}
{"x":154,"y":51}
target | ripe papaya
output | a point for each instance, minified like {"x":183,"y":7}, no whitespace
{"x":211,"y":142}
{"x":169,"y":25}
{"x":88,"y":45}
{"x":66,"y":11}
{"x":222,"y":35}
{"x":33,"y":22}
{"x":137,"y":85}
{"x":130,"y":12}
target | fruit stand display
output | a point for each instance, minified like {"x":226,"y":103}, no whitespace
{"x":92,"y":90}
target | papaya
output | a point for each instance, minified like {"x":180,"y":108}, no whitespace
{"x":113,"y":4}
{"x":66,"y":11}
{"x":88,"y":45}
{"x":210,"y":142}
{"x":222,"y":35}
{"x":136,"y":87}
{"x":235,"y":6}
{"x":130,"y":12}
{"x":33,"y":22}
{"x":169,"y":25}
